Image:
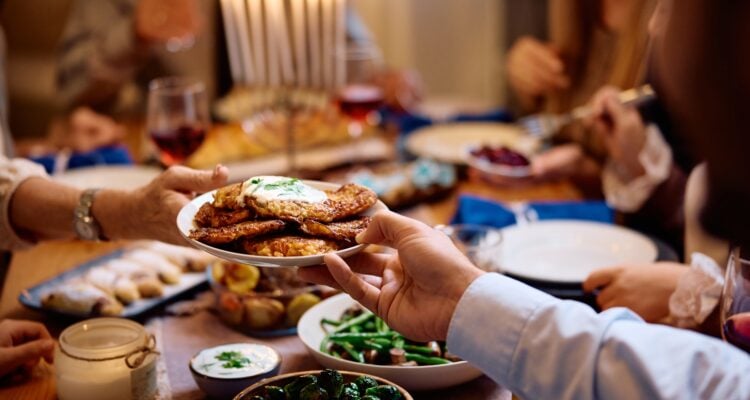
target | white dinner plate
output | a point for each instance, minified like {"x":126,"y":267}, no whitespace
{"x":123,"y":177}
{"x":449,"y":142}
{"x":424,"y":377}
{"x":185,"y":224}
{"x":566,"y":251}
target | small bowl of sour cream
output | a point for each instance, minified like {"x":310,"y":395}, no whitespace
{"x":223,"y":371}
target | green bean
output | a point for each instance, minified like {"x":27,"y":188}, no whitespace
{"x":362,"y":335}
{"x":420,"y":359}
{"x":356,"y":355}
{"x":360,"y":319}
{"x":424,"y":350}
{"x":331,"y":322}
{"x":381,"y":326}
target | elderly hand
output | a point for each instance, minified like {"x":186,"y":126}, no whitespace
{"x":621,"y":129}
{"x":645,"y":289}
{"x":23,"y":344}
{"x":535,"y":69}
{"x":415,"y":291}
{"x":150,"y":212}
{"x":161,"y":21}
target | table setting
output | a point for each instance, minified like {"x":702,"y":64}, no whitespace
{"x":228,"y":317}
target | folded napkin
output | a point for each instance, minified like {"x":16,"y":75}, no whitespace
{"x":408,"y":123}
{"x":110,"y":155}
{"x":478,"y":211}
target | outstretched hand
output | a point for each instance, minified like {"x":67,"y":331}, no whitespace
{"x":415,"y":291}
{"x":150,"y":212}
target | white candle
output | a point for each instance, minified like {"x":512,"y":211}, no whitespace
{"x":285,"y":48}
{"x":300,"y":45}
{"x":313,"y":15}
{"x":231,"y":39}
{"x":255,"y":8}
{"x":328,"y":45}
{"x":340,"y":50}
{"x":272,"y":43}
{"x":240,"y":15}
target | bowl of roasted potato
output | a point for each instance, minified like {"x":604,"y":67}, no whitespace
{"x":262,"y":301}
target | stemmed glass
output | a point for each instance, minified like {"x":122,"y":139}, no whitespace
{"x":177,"y":117}
{"x":735,"y":307}
{"x":360,"y":98}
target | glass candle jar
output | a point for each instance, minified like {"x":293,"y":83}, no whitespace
{"x":108,"y":358}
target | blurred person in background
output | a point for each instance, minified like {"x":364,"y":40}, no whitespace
{"x":110,"y":49}
{"x":630,"y":156}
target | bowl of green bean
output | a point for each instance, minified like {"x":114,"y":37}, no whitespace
{"x":340,"y":334}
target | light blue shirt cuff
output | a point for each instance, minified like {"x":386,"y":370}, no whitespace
{"x":491,"y":343}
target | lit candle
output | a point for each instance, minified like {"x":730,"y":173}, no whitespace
{"x":328,"y":28}
{"x":282,"y":40}
{"x":255,"y":7}
{"x":230,"y":33}
{"x":240,"y":15}
{"x":313,"y":15}
{"x":300,"y":45}
{"x":272,"y":44}
{"x":340,"y":50}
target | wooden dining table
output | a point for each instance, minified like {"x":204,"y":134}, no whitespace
{"x":181,"y":337}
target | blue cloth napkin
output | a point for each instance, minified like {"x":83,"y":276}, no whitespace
{"x":408,"y":123}
{"x":475,"y":210}
{"x":110,"y":155}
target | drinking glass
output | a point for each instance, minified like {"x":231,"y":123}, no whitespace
{"x":360,"y":98}
{"x":481,"y":244}
{"x":735,"y":307}
{"x":177,"y":117}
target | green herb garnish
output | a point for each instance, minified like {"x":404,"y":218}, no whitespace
{"x":232,"y":359}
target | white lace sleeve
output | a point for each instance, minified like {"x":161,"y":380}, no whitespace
{"x":697,"y":293}
{"x":656,"y":159}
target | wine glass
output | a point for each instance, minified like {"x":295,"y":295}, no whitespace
{"x":177,"y":117}
{"x":359,"y":97}
{"x":735,"y":307}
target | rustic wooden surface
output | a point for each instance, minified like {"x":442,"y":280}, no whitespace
{"x":46,"y":260}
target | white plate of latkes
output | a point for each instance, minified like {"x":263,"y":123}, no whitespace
{"x":185,"y":223}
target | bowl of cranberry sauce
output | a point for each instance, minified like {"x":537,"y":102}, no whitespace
{"x":499,"y":160}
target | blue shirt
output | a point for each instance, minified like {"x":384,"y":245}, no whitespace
{"x":540,"y":347}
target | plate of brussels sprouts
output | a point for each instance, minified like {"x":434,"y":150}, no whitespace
{"x":340,"y":334}
{"x":326,"y":384}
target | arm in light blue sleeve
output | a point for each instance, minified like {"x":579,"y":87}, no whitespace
{"x":540,"y":347}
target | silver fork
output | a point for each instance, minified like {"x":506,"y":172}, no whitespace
{"x":546,"y":125}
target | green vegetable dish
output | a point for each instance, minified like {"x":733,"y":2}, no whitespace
{"x":362,"y":337}
{"x":327,"y":385}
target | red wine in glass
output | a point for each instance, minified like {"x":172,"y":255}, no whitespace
{"x":358,"y":101}
{"x":177,"y":144}
{"x":736,"y":330}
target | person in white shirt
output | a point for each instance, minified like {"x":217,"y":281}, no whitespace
{"x":540,"y":347}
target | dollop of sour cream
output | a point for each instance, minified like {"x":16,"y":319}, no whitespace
{"x":239,"y":360}
{"x":267,"y":188}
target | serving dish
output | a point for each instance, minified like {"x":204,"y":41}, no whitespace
{"x":262,"y":301}
{"x":247,"y":363}
{"x":185,"y":223}
{"x":417,"y":378}
{"x":258,"y":389}
{"x":520,"y":170}
{"x":567,"y":251}
{"x":33,"y":296}
{"x":448,"y":142}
